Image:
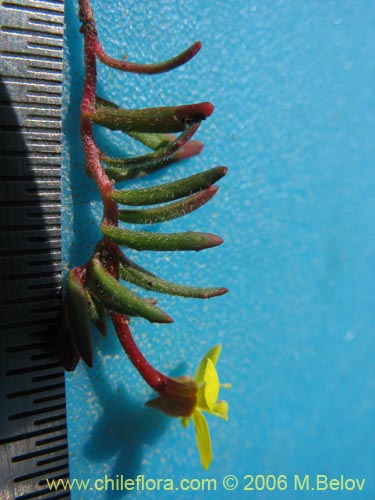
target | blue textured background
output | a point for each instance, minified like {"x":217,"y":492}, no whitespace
{"x":293,"y":87}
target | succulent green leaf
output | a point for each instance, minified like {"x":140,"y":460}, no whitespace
{"x":143,"y":240}
{"x":151,"y":140}
{"x":154,"y":140}
{"x":139,"y":166}
{"x":148,"y":69}
{"x":164,"y":119}
{"x":170,"y":211}
{"x":171,"y":190}
{"x":123,"y":299}
{"x":138,"y":276}
{"x":77,"y":308}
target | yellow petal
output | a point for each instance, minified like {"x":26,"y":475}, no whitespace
{"x":221,"y":409}
{"x":212,"y":385}
{"x":202,"y":436}
{"x":213,"y":354}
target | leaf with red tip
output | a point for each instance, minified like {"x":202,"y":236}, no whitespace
{"x":170,"y":191}
{"x":163,"y":119}
{"x":169,"y":211}
{"x":188,"y":150}
{"x":139,"y":166}
{"x":139,"y":276}
{"x":143,"y":240}
{"x":154,"y":140}
{"x":148,"y":69}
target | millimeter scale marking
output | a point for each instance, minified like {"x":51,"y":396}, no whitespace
{"x":33,"y":434}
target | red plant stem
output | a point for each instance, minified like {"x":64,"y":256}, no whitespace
{"x":153,"y":377}
{"x":92,"y":153}
{"x":110,"y":214}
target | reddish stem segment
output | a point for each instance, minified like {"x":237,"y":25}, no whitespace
{"x":92,"y":153}
{"x":153,"y":377}
{"x":110,"y":215}
{"x":177,"y":398}
{"x":93,"y":49}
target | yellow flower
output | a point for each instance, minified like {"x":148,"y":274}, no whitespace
{"x":208,"y":384}
{"x":187,"y":398}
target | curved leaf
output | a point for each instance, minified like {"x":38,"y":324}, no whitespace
{"x":170,"y":211}
{"x":154,"y":140}
{"x":139,"y":166}
{"x":141,"y":277}
{"x":148,"y":69}
{"x":143,"y":240}
{"x":122,"y":299}
{"x":171,"y":190}
{"x":163,"y":119}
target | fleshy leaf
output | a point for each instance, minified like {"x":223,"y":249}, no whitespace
{"x":154,"y":140}
{"x":202,"y":436}
{"x":123,"y":299}
{"x":143,"y":240}
{"x":158,"y":156}
{"x":148,"y":69}
{"x":163,"y":119}
{"x":170,"y":211}
{"x":139,"y":166}
{"x":143,"y":278}
{"x":191,"y":148}
{"x":171,"y":190}
{"x":78,"y":313}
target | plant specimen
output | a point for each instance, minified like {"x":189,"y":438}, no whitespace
{"x":93,"y":291}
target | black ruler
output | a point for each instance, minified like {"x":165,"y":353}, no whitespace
{"x":33,"y":435}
